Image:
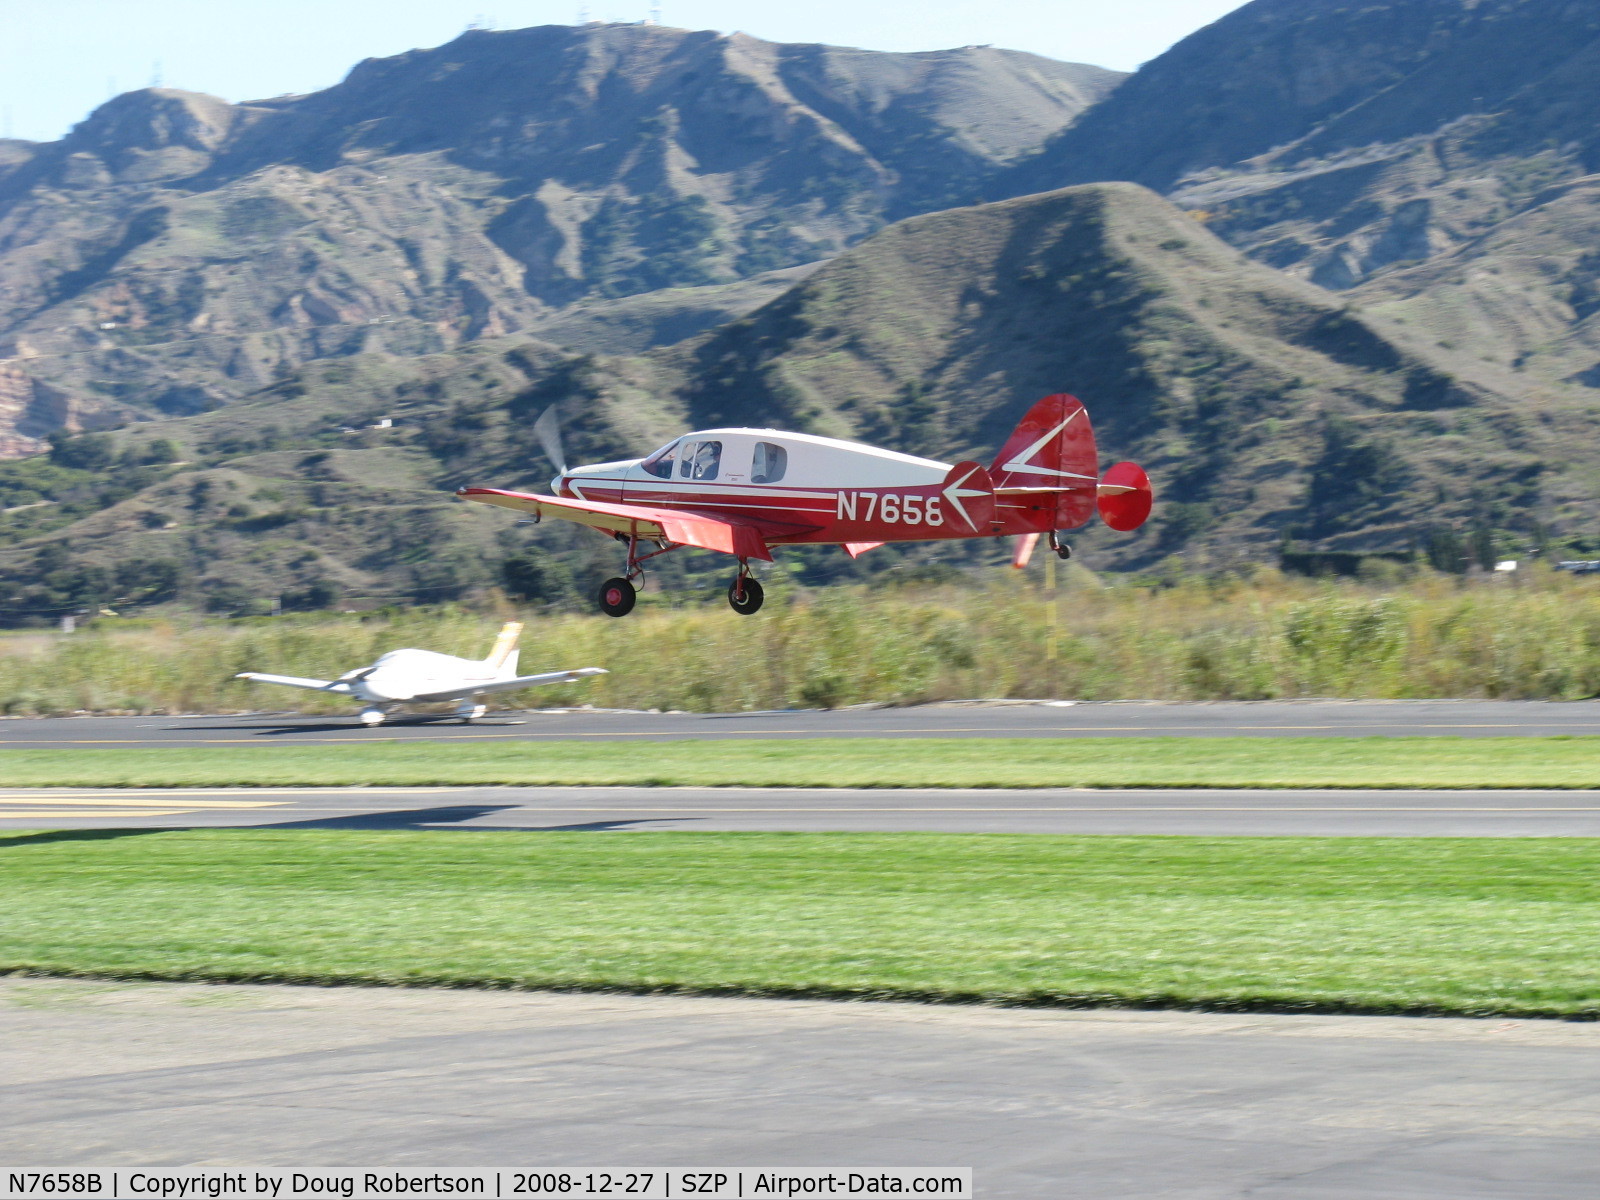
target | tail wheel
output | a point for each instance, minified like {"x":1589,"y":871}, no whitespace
{"x":745,"y":595}
{"x":617,"y":597}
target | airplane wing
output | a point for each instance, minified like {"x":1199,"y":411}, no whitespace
{"x":315,"y":685}
{"x":728,"y":535}
{"x":506,"y":685}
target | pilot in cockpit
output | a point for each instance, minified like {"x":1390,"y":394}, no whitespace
{"x":707,"y":457}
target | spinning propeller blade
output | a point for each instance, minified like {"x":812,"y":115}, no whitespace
{"x":548,"y":430}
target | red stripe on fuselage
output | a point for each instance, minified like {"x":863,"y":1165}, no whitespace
{"x":821,"y":506}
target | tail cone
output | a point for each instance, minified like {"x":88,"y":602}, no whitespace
{"x":1124,"y":497}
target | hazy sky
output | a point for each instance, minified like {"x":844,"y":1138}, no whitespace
{"x":61,"y":58}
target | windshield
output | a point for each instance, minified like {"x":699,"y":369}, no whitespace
{"x":660,"y":463}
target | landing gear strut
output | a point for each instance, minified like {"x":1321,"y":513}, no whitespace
{"x":618,"y":595}
{"x":744,"y":593}
{"x":1063,"y":551}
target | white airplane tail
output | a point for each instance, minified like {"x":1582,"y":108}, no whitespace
{"x":503,"y":657}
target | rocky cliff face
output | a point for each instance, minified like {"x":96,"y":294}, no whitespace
{"x":1436,"y":157}
{"x":175,"y":252}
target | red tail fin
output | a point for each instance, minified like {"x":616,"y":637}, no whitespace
{"x":1053,"y":448}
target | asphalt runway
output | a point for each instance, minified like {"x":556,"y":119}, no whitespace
{"x":1042,"y":1104}
{"x":1206,"y":812}
{"x":1307,"y":718}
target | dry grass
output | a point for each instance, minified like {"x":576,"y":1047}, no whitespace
{"x":1265,"y":638}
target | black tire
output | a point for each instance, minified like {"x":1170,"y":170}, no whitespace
{"x":1063,"y":551}
{"x":616,"y":597}
{"x":753,"y":596}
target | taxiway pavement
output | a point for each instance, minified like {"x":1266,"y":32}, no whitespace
{"x":1207,"y":812}
{"x":1309,"y":718}
{"x":1040,"y":1103}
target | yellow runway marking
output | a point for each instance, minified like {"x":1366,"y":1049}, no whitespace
{"x":137,"y":801}
{"x":40,"y":794}
{"x":84,"y":814}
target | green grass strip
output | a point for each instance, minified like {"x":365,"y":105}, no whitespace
{"x":1473,"y":926}
{"x":1243,"y":762}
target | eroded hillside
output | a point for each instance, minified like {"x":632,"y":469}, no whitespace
{"x":1265,"y":409}
{"x":175,"y":252}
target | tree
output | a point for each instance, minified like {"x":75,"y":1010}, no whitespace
{"x":235,"y":600}
{"x":160,"y":452}
{"x":1446,"y":551}
{"x":1354,"y":480}
{"x":148,"y":581}
{"x":86,"y":452}
{"x":318,"y":594}
{"x":534,"y":574}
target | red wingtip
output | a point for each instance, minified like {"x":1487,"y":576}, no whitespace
{"x":1124,"y":497}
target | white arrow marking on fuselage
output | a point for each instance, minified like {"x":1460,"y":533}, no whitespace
{"x":1021,"y":465}
{"x":955,"y":491}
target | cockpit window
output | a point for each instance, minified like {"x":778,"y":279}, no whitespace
{"x":770,"y":462}
{"x":660,"y":463}
{"x":700,"y":460}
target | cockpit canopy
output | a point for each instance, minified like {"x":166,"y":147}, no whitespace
{"x":697,"y":457}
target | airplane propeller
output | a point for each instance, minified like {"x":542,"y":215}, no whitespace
{"x":548,"y":430}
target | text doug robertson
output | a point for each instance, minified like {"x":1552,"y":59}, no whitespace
{"x":240,"y":1184}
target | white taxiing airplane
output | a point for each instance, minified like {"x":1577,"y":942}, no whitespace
{"x":426,"y":677}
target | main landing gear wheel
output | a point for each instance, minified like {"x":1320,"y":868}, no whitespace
{"x":745,"y":595}
{"x":1063,"y":551}
{"x":616,"y":597}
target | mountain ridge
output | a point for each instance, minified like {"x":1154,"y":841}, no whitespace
{"x":175,"y":252}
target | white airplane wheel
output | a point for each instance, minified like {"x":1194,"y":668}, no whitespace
{"x":372,"y":716}
{"x":471,"y":712}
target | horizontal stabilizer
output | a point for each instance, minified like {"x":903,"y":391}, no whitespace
{"x":1124,"y":496}
{"x":508,"y":685}
{"x":312,"y":685}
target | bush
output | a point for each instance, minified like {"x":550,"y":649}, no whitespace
{"x":536,"y":575}
{"x":86,"y":452}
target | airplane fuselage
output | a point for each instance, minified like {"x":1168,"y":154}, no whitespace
{"x":831,"y":491}
{"x":405,"y":674}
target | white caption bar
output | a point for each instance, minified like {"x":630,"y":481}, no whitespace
{"x":744,"y":1183}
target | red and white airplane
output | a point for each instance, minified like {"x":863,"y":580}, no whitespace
{"x":744,"y":491}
